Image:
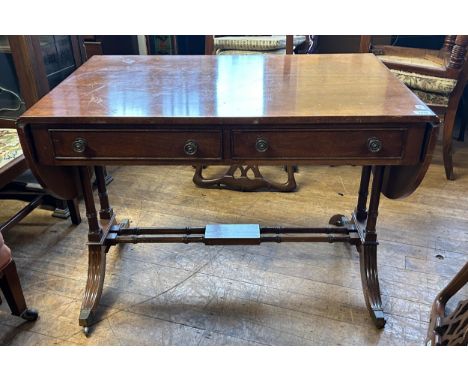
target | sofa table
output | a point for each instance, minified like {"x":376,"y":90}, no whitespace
{"x":254,"y":110}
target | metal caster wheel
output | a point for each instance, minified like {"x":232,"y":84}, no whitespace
{"x":30,"y":315}
{"x":86,"y":331}
{"x":338,"y":220}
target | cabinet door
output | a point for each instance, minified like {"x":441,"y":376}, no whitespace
{"x":59,"y":58}
{"x":11,"y":103}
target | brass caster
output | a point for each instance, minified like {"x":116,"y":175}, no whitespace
{"x":338,"y":220}
{"x":29,"y":315}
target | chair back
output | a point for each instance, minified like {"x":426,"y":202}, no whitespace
{"x":454,"y":50}
{"x":209,"y":44}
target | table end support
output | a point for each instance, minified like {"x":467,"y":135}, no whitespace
{"x":370,"y":283}
{"x":368,"y":243}
{"x":94,"y":284}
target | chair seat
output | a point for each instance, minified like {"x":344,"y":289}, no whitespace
{"x":255,"y":43}
{"x":10,"y":147}
{"x":432,"y":62}
{"x":415,"y":81}
{"x":432,"y":98}
{"x":244,"y":52}
{"x":5,"y":254}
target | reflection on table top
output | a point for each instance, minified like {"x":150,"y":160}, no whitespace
{"x":349,"y":88}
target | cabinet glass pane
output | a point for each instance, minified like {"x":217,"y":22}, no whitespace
{"x":11,"y":104}
{"x":57,"y":52}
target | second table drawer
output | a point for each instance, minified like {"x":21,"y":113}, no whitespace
{"x":134,"y":143}
{"x":326,"y":143}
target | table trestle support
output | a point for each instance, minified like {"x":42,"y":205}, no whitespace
{"x":231,"y":234}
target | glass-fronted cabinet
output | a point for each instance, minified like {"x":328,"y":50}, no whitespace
{"x":59,"y":61}
{"x":30,"y":66}
{"x":11,"y":103}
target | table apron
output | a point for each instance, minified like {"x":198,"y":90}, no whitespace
{"x":226,"y":145}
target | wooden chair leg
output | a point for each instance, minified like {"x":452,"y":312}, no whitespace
{"x":11,"y":288}
{"x":463,"y":120}
{"x":449,"y":122}
{"x":74,"y":211}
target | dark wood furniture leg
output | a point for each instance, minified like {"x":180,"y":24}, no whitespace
{"x":68,"y":209}
{"x":95,"y":230}
{"x":11,"y":288}
{"x":97,"y":246}
{"x":451,"y":329}
{"x":361,"y":209}
{"x":105,"y":211}
{"x":368,"y":250}
{"x":74,"y":209}
{"x":364,"y":227}
{"x":94,"y":284}
{"x":96,"y":253}
{"x":463,"y":117}
{"x":449,"y":123}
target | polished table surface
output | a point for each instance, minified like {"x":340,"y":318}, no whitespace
{"x":257,"y":109}
{"x":231,"y":89}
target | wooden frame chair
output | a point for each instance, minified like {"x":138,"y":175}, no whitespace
{"x":11,"y":286}
{"x":438,"y":77}
{"x":451,"y":329}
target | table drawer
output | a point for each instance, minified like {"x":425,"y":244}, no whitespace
{"x":320,"y":143}
{"x":135,"y":143}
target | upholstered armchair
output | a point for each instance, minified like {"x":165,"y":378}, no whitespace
{"x":437,"y":77}
{"x":11,"y":287}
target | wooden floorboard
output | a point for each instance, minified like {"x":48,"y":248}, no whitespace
{"x":271,"y":294}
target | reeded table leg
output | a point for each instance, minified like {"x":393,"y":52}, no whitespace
{"x":368,"y":253}
{"x":96,"y":253}
{"x":94,"y":284}
{"x":105,"y":233}
{"x":363,"y":225}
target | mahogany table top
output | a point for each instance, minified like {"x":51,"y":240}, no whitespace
{"x":250,"y":89}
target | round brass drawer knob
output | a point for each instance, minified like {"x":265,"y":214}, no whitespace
{"x":261,"y":145}
{"x":374,"y":145}
{"x":190,"y":147}
{"x":79,"y":145}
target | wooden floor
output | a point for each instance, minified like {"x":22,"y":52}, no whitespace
{"x":272,"y":294}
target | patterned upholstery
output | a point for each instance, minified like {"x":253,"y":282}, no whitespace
{"x":255,"y":43}
{"x":414,"y":81}
{"x":432,"y":98}
{"x":431,"y":90}
{"x":10,"y":147}
{"x":229,"y":51}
